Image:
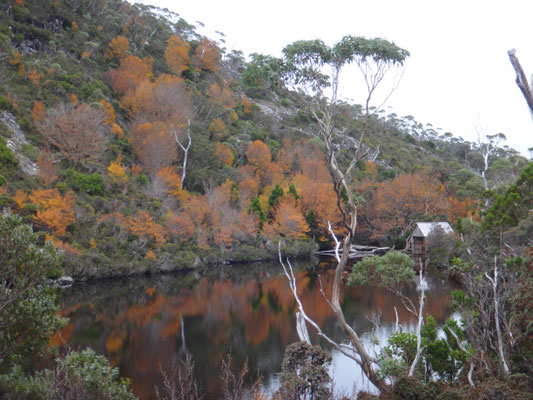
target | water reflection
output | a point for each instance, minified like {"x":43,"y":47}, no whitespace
{"x":146,"y":322}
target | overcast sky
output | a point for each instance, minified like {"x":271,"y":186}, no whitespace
{"x":458,"y":76}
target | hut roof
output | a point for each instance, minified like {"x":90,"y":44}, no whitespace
{"x":423,"y":229}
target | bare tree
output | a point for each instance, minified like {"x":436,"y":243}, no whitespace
{"x":77,"y":132}
{"x":303,"y":72}
{"x":525,"y":87}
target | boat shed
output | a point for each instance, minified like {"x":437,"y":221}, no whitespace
{"x":416,"y":243}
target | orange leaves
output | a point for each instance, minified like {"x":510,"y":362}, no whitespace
{"x":154,"y":145}
{"x":223,"y":97}
{"x":181,"y":226}
{"x":53,"y":210}
{"x":118,"y":47}
{"x":177,"y":54}
{"x":117,"y":173}
{"x":15,"y":58}
{"x":289,"y":221}
{"x":172,"y":182}
{"x":246,"y":105}
{"x":133,"y":70}
{"x":207,"y":55}
{"x":20,"y":198}
{"x":224,"y":154}
{"x":218,"y":129}
{"x":109,"y":112}
{"x":38,"y":112}
{"x":47,"y":173}
{"x":117,"y":130}
{"x":258,"y":155}
{"x":34,"y":76}
{"x":398,"y":202}
{"x":144,"y":226}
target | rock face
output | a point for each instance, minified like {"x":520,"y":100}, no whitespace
{"x":16,"y":142}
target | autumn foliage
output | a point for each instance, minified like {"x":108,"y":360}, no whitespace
{"x":118,"y":47}
{"x":207,"y":55}
{"x":77,"y":132}
{"x":177,"y":54}
{"x":54,"y":211}
{"x":154,"y":145}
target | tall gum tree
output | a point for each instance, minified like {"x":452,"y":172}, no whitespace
{"x":310,"y":72}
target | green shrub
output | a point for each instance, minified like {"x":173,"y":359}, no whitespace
{"x":3,"y":180}
{"x":4,"y":130}
{"x":80,"y":375}
{"x":141,"y":179}
{"x":92,"y":184}
{"x":29,"y":151}
{"x":6,"y":156}
{"x":4,"y":103}
{"x":24,"y":123}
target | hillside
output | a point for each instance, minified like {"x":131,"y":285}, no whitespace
{"x":137,"y":145}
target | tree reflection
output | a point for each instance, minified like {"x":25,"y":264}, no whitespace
{"x":138,"y":324}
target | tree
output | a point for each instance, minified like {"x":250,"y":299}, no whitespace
{"x":305,"y":373}
{"x":521,"y":80}
{"x":304,"y":63}
{"x":118,"y":47}
{"x":38,"y":112}
{"x":224,"y":154}
{"x":258,"y":155}
{"x":207,"y":55}
{"x":177,"y":54}
{"x":289,"y":220}
{"x":154,"y":145}
{"x":77,"y":132}
{"x":28,"y":313}
{"x":53,"y":210}
{"x":144,"y":226}
{"x":397,"y":203}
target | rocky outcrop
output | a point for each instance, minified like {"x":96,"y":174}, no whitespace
{"x":16,"y":141}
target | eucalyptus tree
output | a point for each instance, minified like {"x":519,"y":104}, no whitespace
{"x":310,"y":72}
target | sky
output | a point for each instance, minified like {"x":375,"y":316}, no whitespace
{"x":458,"y":77}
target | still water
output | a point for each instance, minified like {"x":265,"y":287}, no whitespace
{"x":143,"y":324}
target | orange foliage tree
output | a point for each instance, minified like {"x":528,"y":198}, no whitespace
{"x":172,"y":182}
{"x":397,"y":203}
{"x":154,"y":145}
{"x":166,"y":100}
{"x":144,"y":226}
{"x":224,"y":154}
{"x":117,"y":172}
{"x":222,"y":97}
{"x":34,"y":76}
{"x":53,"y":210}
{"x":258,"y":155}
{"x":38,"y":112}
{"x":180,"y":226}
{"x":77,"y":132}
{"x":177,"y":54}
{"x":207,"y":55}
{"x":47,"y":172}
{"x":289,"y":221}
{"x":109,"y":112}
{"x":20,"y":198}
{"x":118,"y":47}
{"x":218,"y":129}
{"x":132,"y":71}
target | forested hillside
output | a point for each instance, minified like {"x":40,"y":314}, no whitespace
{"x":137,"y":145}
{"x":130,"y":143}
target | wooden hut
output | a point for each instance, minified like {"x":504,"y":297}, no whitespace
{"x":416,"y":243}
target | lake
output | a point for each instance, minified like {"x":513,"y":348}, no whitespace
{"x":144,"y":323}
